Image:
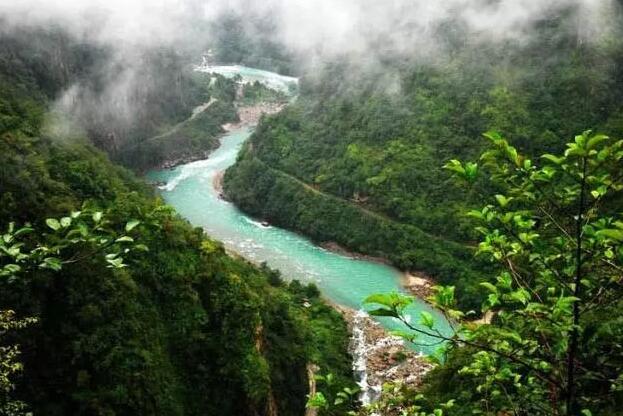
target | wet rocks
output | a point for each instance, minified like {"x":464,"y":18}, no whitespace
{"x":379,"y":357}
{"x":418,"y":285}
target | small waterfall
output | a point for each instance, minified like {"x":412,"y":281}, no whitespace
{"x":359,"y":351}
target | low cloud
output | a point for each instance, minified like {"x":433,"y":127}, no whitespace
{"x":307,"y":26}
{"x":312,"y":30}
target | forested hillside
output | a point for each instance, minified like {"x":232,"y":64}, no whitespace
{"x":377,"y":137}
{"x":78,"y":82}
{"x":112,"y":304}
{"x":177,"y":327}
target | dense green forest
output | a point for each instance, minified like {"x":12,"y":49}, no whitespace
{"x":377,"y":138}
{"x":112,"y":304}
{"x":183,"y":328}
{"x":136,"y":127}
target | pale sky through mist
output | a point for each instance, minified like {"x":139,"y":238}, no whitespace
{"x":309,"y":29}
{"x":330,"y":26}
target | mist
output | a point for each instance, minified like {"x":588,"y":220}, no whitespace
{"x":308,"y":27}
{"x":361,"y":32}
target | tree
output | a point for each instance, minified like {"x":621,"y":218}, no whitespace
{"x":553,"y":343}
{"x":71,"y":239}
{"x":9,"y":364}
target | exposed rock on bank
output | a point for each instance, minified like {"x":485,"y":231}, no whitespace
{"x":217,"y":183}
{"x":418,"y":285}
{"x":172,"y":163}
{"x":379,"y":357}
{"x":250,"y":115}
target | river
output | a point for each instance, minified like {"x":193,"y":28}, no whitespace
{"x":343,"y":280}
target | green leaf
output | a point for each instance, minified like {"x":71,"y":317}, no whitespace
{"x":65,"y":222}
{"x":116,"y":263}
{"x":383,"y":312}
{"x":351,"y":392}
{"x":595,"y":140}
{"x":611,"y":233}
{"x":10,"y":269}
{"x":521,"y":295}
{"x":51,"y":263}
{"x":502,"y":200}
{"x":493,"y":136}
{"x":471,"y":171}
{"x":505,"y":280}
{"x":489,"y":287}
{"x":390,"y":300}
{"x":380,"y":298}
{"x":553,"y":159}
{"x":23,"y":230}
{"x":455,"y":166}
{"x":513,"y":155}
{"x":124,"y":239}
{"x":427,"y":319}
{"x":53,"y":224}
{"x":444,"y":296}
{"x":131,"y":225}
{"x":317,"y":401}
{"x":97,"y":216}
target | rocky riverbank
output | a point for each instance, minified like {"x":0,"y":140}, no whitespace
{"x":217,"y":183}
{"x":172,"y":163}
{"x":250,"y":115}
{"x":380,"y":357}
{"x":418,"y":285}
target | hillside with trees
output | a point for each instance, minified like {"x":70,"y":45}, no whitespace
{"x":113,"y":304}
{"x":118,"y":305}
{"x":377,"y":138}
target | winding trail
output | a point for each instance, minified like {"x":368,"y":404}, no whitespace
{"x":196,"y":111}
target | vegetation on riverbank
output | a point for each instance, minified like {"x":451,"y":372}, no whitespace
{"x":373,"y":141}
{"x":192,"y":139}
{"x":553,"y":345}
{"x":267,"y":193}
{"x":177,"y":328}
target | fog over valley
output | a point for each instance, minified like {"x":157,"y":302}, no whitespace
{"x":311,"y":207}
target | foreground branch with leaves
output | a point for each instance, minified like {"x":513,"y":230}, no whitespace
{"x":67,"y":240}
{"x":554,"y":344}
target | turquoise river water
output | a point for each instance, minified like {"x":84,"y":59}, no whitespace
{"x":343,"y":280}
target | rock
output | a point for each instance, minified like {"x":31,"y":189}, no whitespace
{"x":386,"y":358}
{"x":418,"y":285}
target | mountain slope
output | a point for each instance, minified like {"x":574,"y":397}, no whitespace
{"x":185,"y":329}
{"x":378,"y":137}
